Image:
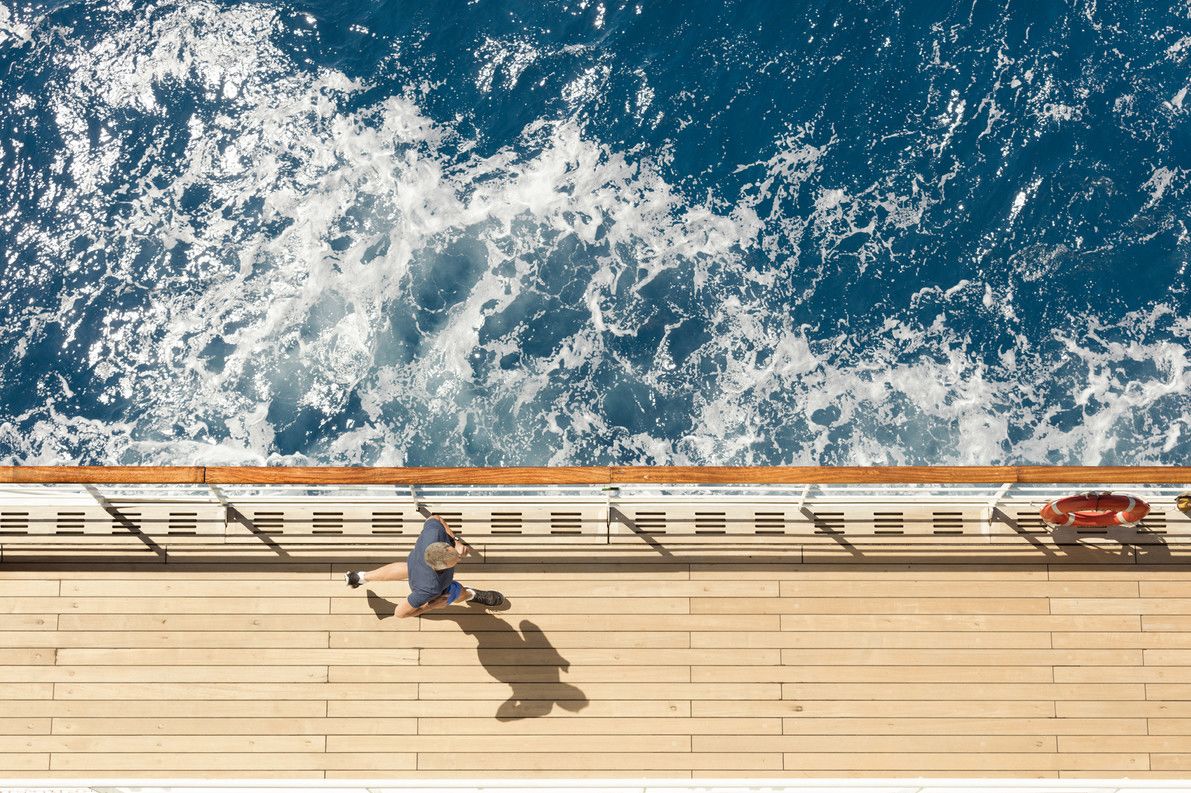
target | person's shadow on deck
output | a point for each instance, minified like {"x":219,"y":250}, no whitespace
{"x":536,"y":685}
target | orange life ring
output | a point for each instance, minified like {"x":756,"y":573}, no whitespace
{"x":1095,"y":509}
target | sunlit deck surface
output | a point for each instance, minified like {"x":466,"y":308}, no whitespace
{"x":687,"y":666}
{"x":203,"y":629}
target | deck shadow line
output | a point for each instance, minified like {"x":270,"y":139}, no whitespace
{"x":597,"y":562}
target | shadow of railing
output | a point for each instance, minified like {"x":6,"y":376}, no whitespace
{"x":1000,"y":516}
{"x":126,"y":523}
{"x":827,"y":530}
{"x":650,"y":538}
{"x":271,"y":543}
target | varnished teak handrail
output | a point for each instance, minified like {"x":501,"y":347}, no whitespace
{"x":601,"y":475}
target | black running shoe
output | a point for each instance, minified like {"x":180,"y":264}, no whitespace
{"x":353,"y":580}
{"x":488,"y":597}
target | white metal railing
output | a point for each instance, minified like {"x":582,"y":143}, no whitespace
{"x":564,"y":513}
{"x":804,"y":495}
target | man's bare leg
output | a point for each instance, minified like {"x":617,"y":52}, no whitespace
{"x":394,"y":571}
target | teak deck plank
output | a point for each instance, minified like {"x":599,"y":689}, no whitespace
{"x":166,"y":605}
{"x":475,"y":673}
{"x":860,"y":639}
{"x":958,"y":589}
{"x":958,"y":622}
{"x":581,"y":724}
{"x":124,"y":744}
{"x":90,"y":656}
{"x":1093,"y":707}
{"x":302,"y":625}
{"x":514,"y":638}
{"x":167,"y":674}
{"x":42,"y":726}
{"x":487,"y":708}
{"x":174,"y":638}
{"x":816,"y":709}
{"x":1140,"y":639}
{"x":242,"y":726}
{"x":970,"y":761}
{"x":321,"y":692}
{"x":961,"y":726}
{"x":829,"y":744}
{"x":880,"y":669}
{"x":876,"y":674}
{"x":1110,"y":674}
{"x":150,"y":708}
{"x":785,"y":571}
{"x":962,"y":657}
{"x":1053,"y":692}
{"x":551,"y":743}
{"x":881,"y":605}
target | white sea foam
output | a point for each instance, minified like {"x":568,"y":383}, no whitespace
{"x":506,"y":59}
{"x":1179,"y":49}
{"x":950,"y":120}
{"x":321,"y":217}
{"x":13,"y":32}
{"x":587,"y":87}
{"x":1160,"y":181}
{"x":1024,"y":195}
{"x":645,"y":96}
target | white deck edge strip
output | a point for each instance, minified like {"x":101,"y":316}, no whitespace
{"x":773,"y":785}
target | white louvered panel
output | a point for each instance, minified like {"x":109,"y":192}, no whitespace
{"x":169,"y":520}
{"x":512,"y":522}
{"x":324,"y":522}
{"x":158,"y":522}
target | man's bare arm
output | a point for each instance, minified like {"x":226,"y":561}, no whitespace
{"x":461,"y":548}
{"x":445,"y":525}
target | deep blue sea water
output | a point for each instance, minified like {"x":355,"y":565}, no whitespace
{"x":595,"y":232}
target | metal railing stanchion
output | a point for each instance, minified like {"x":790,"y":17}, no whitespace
{"x":994,"y":504}
{"x":610,"y":492}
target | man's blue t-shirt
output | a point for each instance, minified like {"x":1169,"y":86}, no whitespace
{"x":426,"y":583}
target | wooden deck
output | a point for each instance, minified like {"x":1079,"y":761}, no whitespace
{"x":680,"y":667}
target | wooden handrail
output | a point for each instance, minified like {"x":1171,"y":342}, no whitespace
{"x":249,"y":475}
{"x":103,"y":474}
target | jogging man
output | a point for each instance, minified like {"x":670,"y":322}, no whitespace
{"x":430,"y":569}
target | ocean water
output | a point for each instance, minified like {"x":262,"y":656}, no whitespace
{"x":589,"y":232}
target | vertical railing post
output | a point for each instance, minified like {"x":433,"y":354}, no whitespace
{"x":227,"y":505}
{"x":610,"y":492}
{"x":993,"y":505}
{"x":806,"y":490}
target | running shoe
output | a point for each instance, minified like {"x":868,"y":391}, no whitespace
{"x":488,"y":597}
